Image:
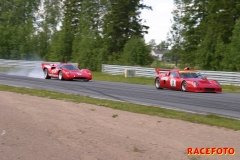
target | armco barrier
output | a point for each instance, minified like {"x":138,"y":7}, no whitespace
{"x":229,"y":78}
{"x":24,"y":64}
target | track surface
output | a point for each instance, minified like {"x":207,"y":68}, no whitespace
{"x":225,"y":104}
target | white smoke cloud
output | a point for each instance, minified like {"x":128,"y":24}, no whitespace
{"x":36,"y":72}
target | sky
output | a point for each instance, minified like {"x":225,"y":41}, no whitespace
{"x":158,"y":19}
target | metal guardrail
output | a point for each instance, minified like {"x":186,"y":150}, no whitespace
{"x":24,"y":64}
{"x":228,"y":78}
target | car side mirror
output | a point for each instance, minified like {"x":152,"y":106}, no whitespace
{"x":204,"y":77}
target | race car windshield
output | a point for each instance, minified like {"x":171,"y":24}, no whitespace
{"x":70,"y":67}
{"x":190,"y":75}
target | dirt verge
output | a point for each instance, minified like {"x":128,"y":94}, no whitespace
{"x":34,"y":128}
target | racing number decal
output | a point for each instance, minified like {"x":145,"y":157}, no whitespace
{"x":173,"y":82}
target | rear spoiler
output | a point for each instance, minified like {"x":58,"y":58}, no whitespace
{"x":161,"y":70}
{"x":49,"y":64}
{"x":55,"y":64}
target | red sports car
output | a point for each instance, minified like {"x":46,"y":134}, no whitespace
{"x":65,"y":71}
{"x":185,"y":80}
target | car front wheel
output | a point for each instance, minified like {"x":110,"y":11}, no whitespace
{"x":184,"y":86}
{"x":60,"y":76}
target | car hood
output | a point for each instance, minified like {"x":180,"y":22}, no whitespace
{"x":199,"y":80}
{"x":74,"y":71}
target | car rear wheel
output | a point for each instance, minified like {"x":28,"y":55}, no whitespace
{"x":46,"y":76}
{"x":60,"y":76}
{"x":157,"y":83}
{"x":184,"y":86}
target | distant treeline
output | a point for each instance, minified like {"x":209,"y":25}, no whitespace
{"x":204,"y":34}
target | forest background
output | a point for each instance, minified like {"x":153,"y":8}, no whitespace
{"x":205,"y":34}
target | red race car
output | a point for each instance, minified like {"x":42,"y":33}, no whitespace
{"x":65,"y":71}
{"x":185,"y":80}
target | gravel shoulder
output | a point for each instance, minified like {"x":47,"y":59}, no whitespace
{"x":41,"y":128}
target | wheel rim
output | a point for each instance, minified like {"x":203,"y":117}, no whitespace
{"x":45,"y":73}
{"x":157,"y":83}
{"x":184,"y":86}
{"x":60,"y":75}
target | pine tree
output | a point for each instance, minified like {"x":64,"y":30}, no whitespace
{"x":17,"y":28}
{"x":121,"y":23}
{"x":232,"y":58}
{"x":88,"y":50}
{"x":62,"y":46}
{"x":49,"y":18}
{"x":136,"y":52}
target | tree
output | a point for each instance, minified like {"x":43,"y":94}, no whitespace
{"x":232,"y":55}
{"x":205,"y":27}
{"x":175,"y":39}
{"x":153,"y":44}
{"x":87,"y":47}
{"x":68,"y":31}
{"x":48,"y":19}
{"x":136,"y":52}
{"x":163,"y":45}
{"x":17,"y":28}
{"x":215,"y":32}
{"x":121,"y":23}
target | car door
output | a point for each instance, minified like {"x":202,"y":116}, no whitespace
{"x":173,"y":80}
{"x":167,"y":80}
{"x":164,"y":81}
{"x":55,"y":71}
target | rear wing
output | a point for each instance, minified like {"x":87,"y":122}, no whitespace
{"x":48,"y":64}
{"x":54,"y":64}
{"x":162,"y":71}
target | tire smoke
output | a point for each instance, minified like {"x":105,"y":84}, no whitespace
{"x":27,"y":72}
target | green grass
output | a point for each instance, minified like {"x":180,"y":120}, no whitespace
{"x":5,"y":69}
{"x":115,"y":115}
{"x":120,"y":78}
{"x":231,"y":88}
{"x":135,"y":149}
{"x":212,"y":120}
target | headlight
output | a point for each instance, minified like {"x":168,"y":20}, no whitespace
{"x":195,"y":84}
{"x":88,"y":72}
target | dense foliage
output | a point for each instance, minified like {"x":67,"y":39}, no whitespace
{"x":89,"y":32}
{"x":204,"y":34}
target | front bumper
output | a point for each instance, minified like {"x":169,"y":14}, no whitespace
{"x":77,"y":76}
{"x":205,"y":89}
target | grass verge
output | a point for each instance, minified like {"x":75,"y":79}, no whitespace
{"x":212,"y":120}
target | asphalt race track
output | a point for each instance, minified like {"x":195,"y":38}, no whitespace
{"x":225,"y":104}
